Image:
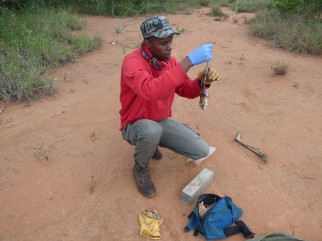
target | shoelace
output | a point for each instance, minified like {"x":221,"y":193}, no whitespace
{"x":145,"y":173}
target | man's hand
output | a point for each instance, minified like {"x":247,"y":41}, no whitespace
{"x":201,"y":54}
{"x":212,"y":75}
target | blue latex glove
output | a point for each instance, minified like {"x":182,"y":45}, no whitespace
{"x":201,"y":54}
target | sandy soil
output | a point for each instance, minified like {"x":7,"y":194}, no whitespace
{"x":52,"y":150}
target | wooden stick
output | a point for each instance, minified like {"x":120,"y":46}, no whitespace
{"x":257,"y":151}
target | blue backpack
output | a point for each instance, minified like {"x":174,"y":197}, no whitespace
{"x":215,"y":221}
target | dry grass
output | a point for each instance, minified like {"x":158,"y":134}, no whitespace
{"x":41,"y":152}
{"x":280,"y":67}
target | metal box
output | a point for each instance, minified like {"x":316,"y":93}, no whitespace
{"x":193,"y":190}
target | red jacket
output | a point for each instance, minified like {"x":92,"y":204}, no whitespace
{"x":148,"y":93}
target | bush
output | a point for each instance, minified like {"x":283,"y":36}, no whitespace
{"x":107,"y":7}
{"x":289,"y":31}
{"x":31,"y":44}
{"x":315,"y":6}
{"x":280,"y":67}
{"x":217,"y":12}
{"x":250,"y":5}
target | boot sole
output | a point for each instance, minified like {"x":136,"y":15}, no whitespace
{"x":149,"y":196}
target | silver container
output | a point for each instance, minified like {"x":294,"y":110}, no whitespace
{"x":193,"y":190}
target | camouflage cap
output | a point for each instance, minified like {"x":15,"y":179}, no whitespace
{"x":157,"y":26}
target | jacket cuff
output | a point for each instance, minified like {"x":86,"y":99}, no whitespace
{"x":201,"y":85}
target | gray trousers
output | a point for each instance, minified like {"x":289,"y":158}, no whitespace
{"x":147,"y":135}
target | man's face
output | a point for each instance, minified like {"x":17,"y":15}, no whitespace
{"x":160,"y":47}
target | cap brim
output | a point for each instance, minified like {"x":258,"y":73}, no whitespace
{"x":166,"y":33}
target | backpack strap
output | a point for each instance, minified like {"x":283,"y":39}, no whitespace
{"x":189,"y":226}
{"x":240,"y":227}
{"x":195,"y":231}
{"x":186,"y":229}
{"x":190,"y":215}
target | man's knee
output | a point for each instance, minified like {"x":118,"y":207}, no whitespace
{"x":204,"y":151}
{"x":150,"y":130}
{"x":201,"y":151}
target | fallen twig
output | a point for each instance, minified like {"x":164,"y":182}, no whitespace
{"x":308,"y":177}
{"x":92,"y":185}
{"x":257,"y":151}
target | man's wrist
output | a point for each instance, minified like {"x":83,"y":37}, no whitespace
{"x":186,"y":64}
{"x":201,"y":84}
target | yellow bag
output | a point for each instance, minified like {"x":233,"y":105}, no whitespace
{"x":150,"y":224}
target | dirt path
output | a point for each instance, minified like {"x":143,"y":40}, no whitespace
{"x":52,"y":149}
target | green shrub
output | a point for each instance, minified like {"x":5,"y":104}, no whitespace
{"x":82,"y":44}
{"x":107,"y":7}
{"x":250,"y":5}
{"x":289,"y":31}
{"x":217,"y":12}
{"x":280,"y":67}
{"x":204,"y":3}
{"x":315,"y":6}
{"x":32,"y":43}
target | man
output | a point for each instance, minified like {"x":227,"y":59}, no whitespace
{"x":150,"y":77}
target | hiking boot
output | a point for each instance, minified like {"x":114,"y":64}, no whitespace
{"x":143,"y":180}
{"x":157,"y":155}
